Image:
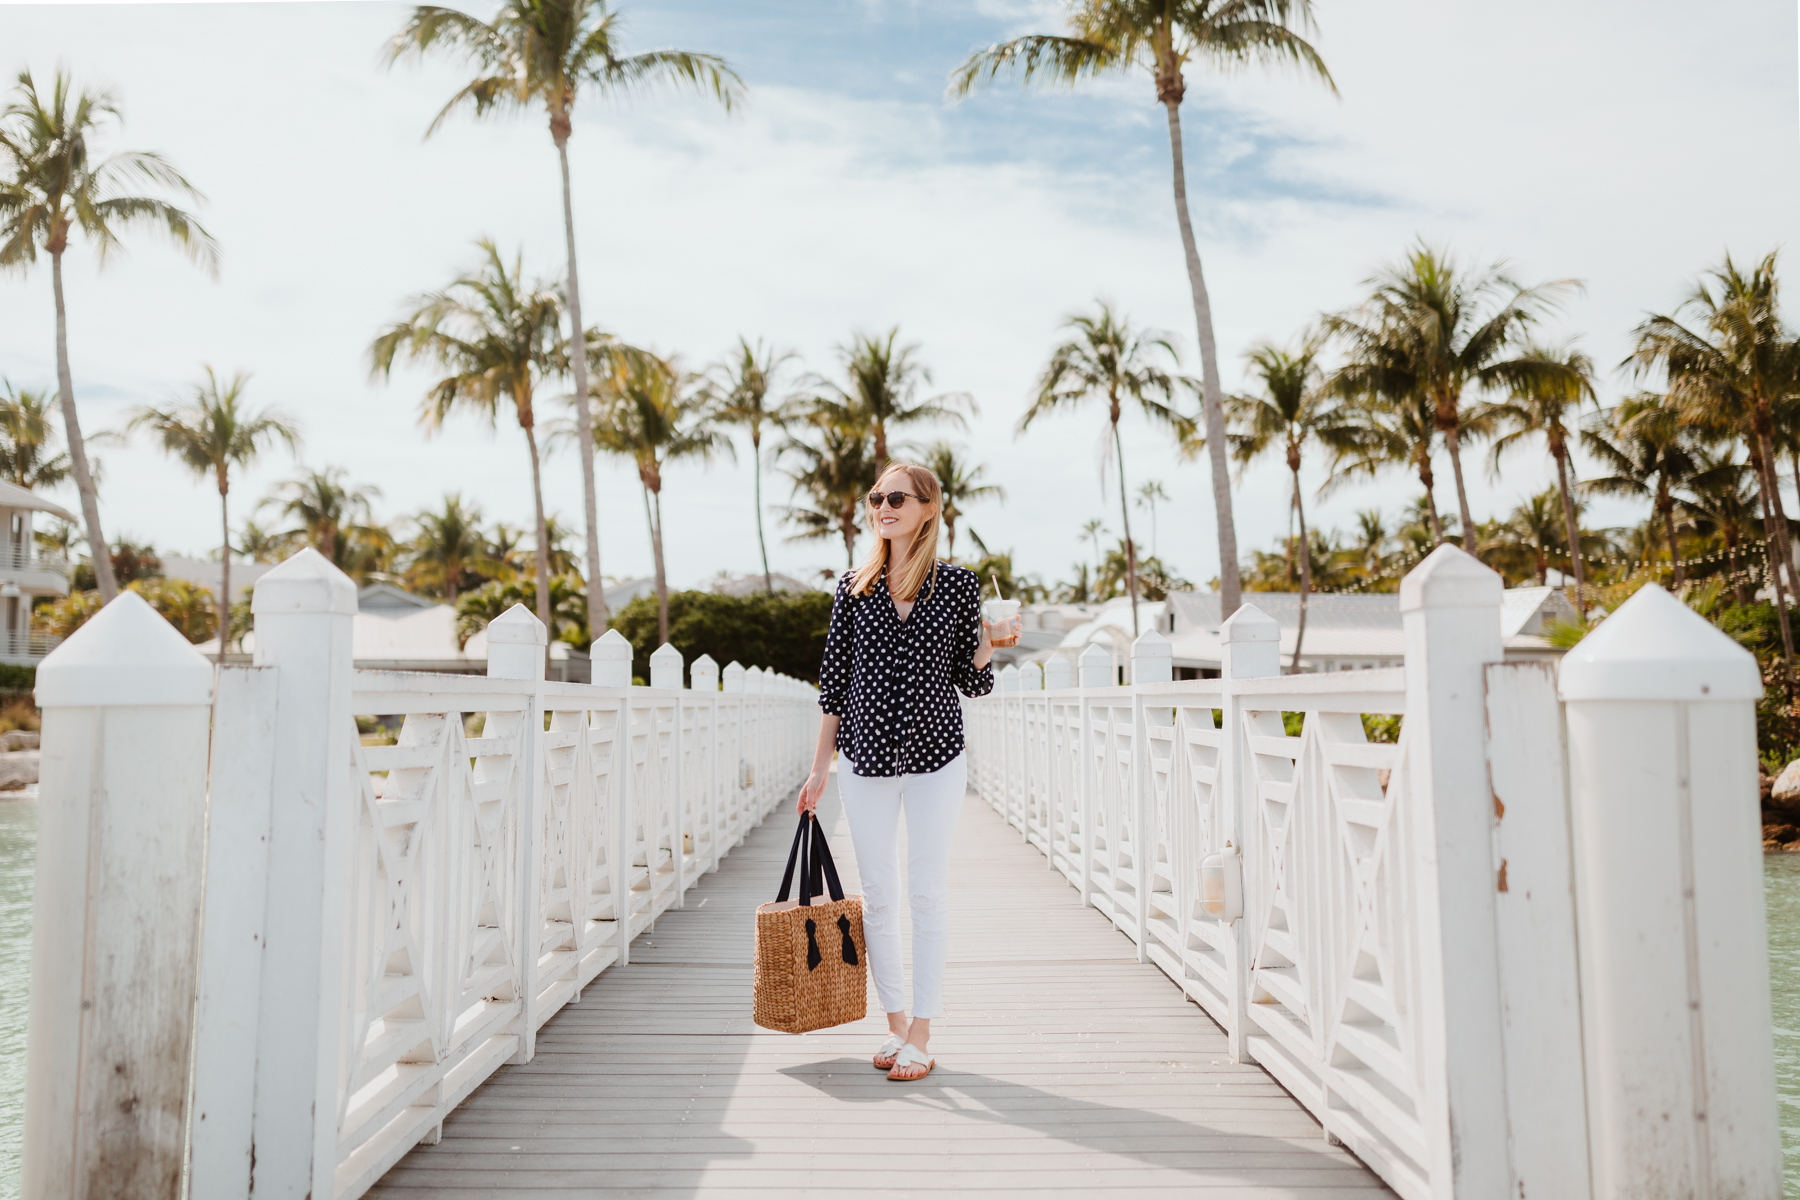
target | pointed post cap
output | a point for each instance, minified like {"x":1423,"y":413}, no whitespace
{"x":610,"y":645}
{"x":1031,"y":677}
{"x":1096,"y":653}
{"x":665,"y":667}
{"x":517,"y":626}
{"x":1450,"y":577}
{"x":304,"y":583}
{"x":1009,"y":678}
{"x":126,"y":654}
{"x":1654,"y":647}
{"x":733,"y":676}
{"x":1250,"y":624}
{"x":1151,"y":644}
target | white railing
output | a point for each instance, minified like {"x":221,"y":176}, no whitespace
{"x":27,"y":643}
{"x":28,"y":558}
{"x":1427,"y":928}
{"x":385,"y":924}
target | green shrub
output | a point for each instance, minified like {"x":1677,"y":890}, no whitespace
{"x":784,"y":633}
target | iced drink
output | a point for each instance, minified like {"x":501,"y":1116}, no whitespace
{"x":1002,"y":617}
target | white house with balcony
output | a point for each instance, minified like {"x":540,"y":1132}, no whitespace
{"x":27,"y":572}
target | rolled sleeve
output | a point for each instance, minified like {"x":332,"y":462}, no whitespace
{"x":970,"y":679}
{"x":834,"y":670}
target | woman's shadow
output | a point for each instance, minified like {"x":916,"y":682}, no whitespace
{"x":1151,"y":1138}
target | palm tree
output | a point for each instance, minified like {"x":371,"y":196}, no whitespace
{"x":1109,"y":359}
{"x":52,"y":184}
{"x":961,"y":484}
{"x":545,"y":52}
{"x":26,"y":440}
{"x":263,"y":545}
{"x":1537,"y":528}
{"x":1378,"y":433}
{"x":1148,"y":494}
{"x":1092,"y":531}
{"x":1292,"y":410}
{"x":209,"y":435}
{"x":1370,"y":549}
{"x":834,"y":468}
{"x":884,"y":380}
{"x":1721,"y":500}
{"x":1644,"y":445}
{"x":449,"y":543}
{"x":1162,"y":37}
{"x":1730,"y":375}
{"x":330,"y":511}
{"x":742,"y":397}
{"x":498,"y":338}
{"x":653,"y":414}
{"x":1540,"y":404}
{"x":1425,"y":331}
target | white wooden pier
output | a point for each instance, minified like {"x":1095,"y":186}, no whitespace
{"x":1209,"y":937}
{"x":1065,"y":1068}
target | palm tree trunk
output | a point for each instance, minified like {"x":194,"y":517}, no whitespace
{"x":762,"y":544}
{"x":1431,"y":512}
{"x":224,"y":575}
{"x":1772,"y":488}
{"x":1130,"y":550}
{"x":881,"y":455}
{"x":584,"y":417}
{"x":1667,"y":507}
{"x":1212,"y":404}
{"x":950,"y":528}
{"x":1573,"y":526}
{"x":1453,"y":443}
{"x":653,"y":514}
{"x":84,"y":478}
{"x":1769,"y":542}
{"x":1305,"y":575}
{"x":543,"y":547}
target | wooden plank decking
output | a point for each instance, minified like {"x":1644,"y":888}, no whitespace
{"x":1064,"y":1066}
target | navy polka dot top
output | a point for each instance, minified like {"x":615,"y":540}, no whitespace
{"x":890,"y":680}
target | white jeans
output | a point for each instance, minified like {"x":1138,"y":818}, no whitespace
{"x":872,"y":806}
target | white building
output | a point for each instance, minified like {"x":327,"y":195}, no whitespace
{"x":1343,"y":632}
{"x":27,"y":572}
{"x":395,"y":630}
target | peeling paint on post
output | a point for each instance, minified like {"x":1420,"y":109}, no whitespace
{"x":122,"y":818}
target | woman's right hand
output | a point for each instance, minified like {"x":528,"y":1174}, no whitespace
{"x":810,"y":791}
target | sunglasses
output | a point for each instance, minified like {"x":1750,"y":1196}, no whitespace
{"x":894,"y":499}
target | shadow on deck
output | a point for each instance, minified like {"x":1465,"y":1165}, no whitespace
{"x":1064,"y":1066}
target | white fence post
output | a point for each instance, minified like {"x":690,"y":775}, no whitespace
{"x":516,"y":641}
{"x":1059,"y":672}
{"x":703,"y":674}
{"x":665,"y":668}
{"x":610,"y":659}
{"x":1450,"y":609}
{"x":1250,"y":649}
{"x":115,"y":941}
{"x":1095,"y":670}
{"x":1152,"y":663}
{"x":1534,"y":916}
{"x":1674,"y":956}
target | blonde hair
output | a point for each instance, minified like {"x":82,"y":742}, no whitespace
{"x":921,"y":563}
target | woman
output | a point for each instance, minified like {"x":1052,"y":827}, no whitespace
{"x":905,"y":628}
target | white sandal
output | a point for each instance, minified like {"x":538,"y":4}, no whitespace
{"x":911,"y":1056}
{"x":889,"y":1049}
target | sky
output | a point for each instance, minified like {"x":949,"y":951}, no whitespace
{"x":1628,"y":146}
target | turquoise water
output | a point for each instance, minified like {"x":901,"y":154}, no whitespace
{"x":18,"y":856}
{"x":18,"y":843}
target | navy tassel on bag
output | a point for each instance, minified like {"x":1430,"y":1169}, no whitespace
{"x":797,"y":988}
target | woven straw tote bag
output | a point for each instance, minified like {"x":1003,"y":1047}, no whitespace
{"x":810,"y":958}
